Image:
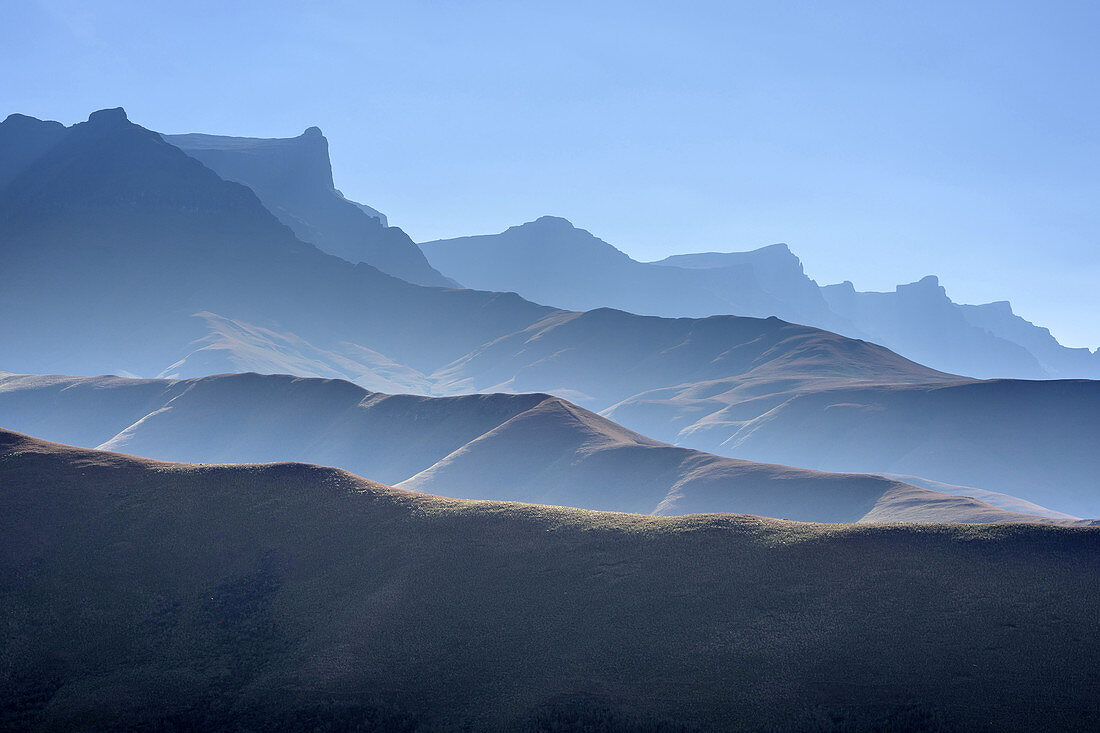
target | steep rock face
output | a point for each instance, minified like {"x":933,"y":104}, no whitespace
{"x":779,"y":273}
{"x":1056,"y":360}
{"x":920,"y":320}
{"x":293,"y":178}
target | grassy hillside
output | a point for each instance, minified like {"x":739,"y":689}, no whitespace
{"x":143,"y":594}
{"x":527,"y":447}
{"x":1033,"y":440}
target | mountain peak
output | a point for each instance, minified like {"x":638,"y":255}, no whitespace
{"x":556,"y":222}
{"x":927,"y":287}
{"x":777,"y":247}
{"x":1003,"y":307}
{"x":313,"y":131}
{"x":16,"y":119}
{"x":112,"y":115}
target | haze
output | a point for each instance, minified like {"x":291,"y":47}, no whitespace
{"x":883,"y":142}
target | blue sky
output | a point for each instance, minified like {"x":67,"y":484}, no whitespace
{"x":882,"y":140}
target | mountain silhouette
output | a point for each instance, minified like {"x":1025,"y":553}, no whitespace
{"x":552,"y":262}
{"x":22,"y":140}
{"x":920,"y":319}
{"x":1056,"y":360}
{"x":293,"y":179}
{"x":116,"y":227}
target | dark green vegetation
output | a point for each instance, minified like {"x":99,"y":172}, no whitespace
{"x":528,"y":447}
{"x":142,"y":594}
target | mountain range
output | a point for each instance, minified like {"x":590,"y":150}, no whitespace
{"x":533,"y":448}
{"x":551,"y":261}
{"x":114,"y":226}
{"x":138,"y":594}
{"x":126,"y":255}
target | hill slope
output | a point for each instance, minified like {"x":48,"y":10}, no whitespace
{"x":145,"y":594}
{"x":528,"y":447}
{"x":1033,"y":440}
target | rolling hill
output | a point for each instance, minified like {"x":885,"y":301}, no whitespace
{"x":140,"y":594}
{"x":534,"y":448}
{"x":1034,"y":440}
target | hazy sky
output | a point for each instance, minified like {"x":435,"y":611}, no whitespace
{"x":882,"y":140}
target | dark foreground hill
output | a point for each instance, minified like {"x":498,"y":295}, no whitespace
{"x":527,"y":447}
{"x":139,"y":594}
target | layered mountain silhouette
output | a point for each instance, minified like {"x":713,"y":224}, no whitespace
{"x":125,"y":255}
{"x":551,"y":261}
{"x":293,"y":178}
{"x":116,"y":227}
{"x":147,"y":595}
{"x":528,"y":447}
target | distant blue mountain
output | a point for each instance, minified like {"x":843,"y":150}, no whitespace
{"x":293,"y":178}
{"x":552,"y":262}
